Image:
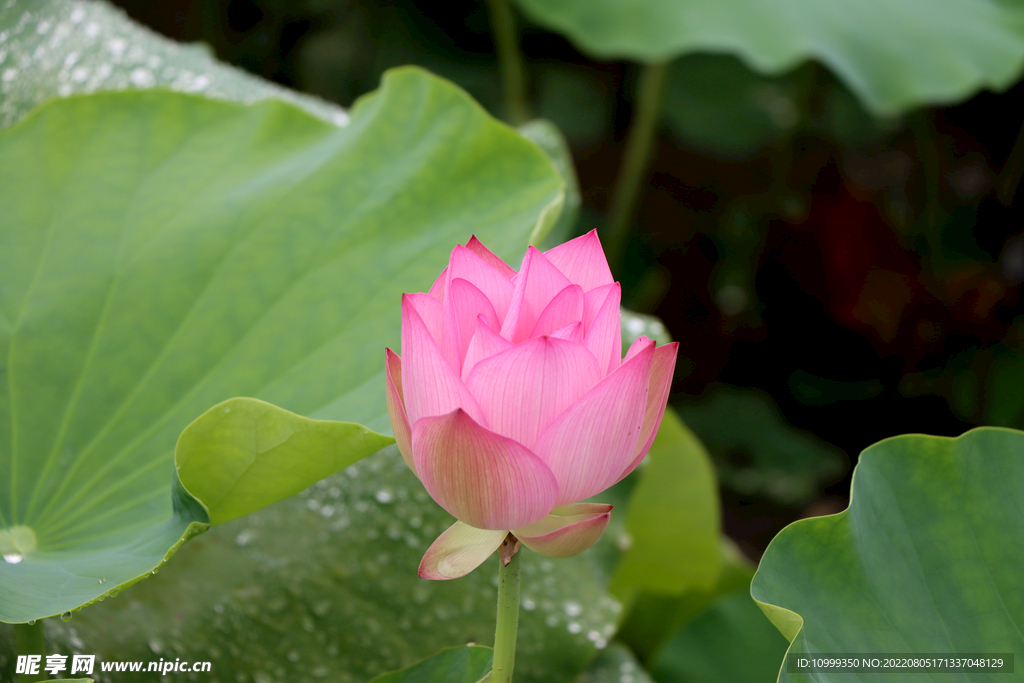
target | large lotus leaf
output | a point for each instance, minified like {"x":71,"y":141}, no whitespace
{"x":324,"y":586}
{"x":160,"y":253}
{"x":927,"y":559}
{"x":56,"y":48}
{"x":895,"y":54}
{"x":672,"y":518}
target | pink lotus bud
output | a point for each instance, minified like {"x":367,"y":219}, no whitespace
{"x":513,"y":401}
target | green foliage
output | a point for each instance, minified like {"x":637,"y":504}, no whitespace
{"x":718,"y":106}
{"x":57,"y":48}
{"x":654,"y":617}
{"x":244,"y":454}
{"x":756,"y":451}
{"x":323,"y":585}
{"x":547,"y":136}
{"x":926,"y":559}
{"x":894,"y":54}
{"x":160,"y":253}
{"x":672,"y":518}
{"x":731,"y":640}
{"x":615,"y":664}
{"x":467,"y":664}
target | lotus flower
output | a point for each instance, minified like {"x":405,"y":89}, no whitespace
{"x":513,"y":401}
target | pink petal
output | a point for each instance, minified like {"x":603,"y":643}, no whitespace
{"x":481,"y":478}
{"x":396,"y":406}
{"x":437,"y":289}
{"x":522,"y":389}
{"x":487,"y":278}
{"x":565,"y":308}
{"x":582,"y":261}
{"x":430,"y":385}
{"x":567,"y":531}
{"x":535,"y":286}
{"x":477,"y":247}
{"x":639,"y":345}
{"x":458,"y":551}
{"x":463,"y":305}
{"x":594,"y":300}
{"x":589,"y":445}
{"x":662,"y":369}
{"x":484,"y":344}
{"x":431,"y":313}
{"x":572,"y":332}
{"x":604,"y":336}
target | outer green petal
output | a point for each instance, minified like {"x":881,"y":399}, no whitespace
{"x":458,"y":551}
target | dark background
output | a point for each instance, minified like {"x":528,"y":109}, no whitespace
{"x":831,"y":287}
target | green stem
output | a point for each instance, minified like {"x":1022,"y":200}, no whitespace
{"x":633,"y":172}
{"x":510,"y":62}
{"x":30,"y":639}
{"x":508,"y":621}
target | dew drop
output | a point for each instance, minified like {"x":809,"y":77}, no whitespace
{"x":383,"y":496}
{"x":32,"y":622}
{"x":153,"y":573}
{"x":117,"y":46}
{"x":66,"y":616}
{"x":144,"y":79}
{"x":13,"y":558}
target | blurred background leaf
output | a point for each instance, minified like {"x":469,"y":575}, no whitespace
{"x":672,"y":518}
{"x":756,"y":452}
{"x":468,"y":664}
{"x":57,"y":48}
{"x":707,"y":649}
{"x":324,"y":586}
{"x":982,"y":45}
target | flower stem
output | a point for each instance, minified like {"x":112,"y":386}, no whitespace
{"x":633,"y":172}
{"x":508,"y":619}
{"x":510,"y":62}
{"x":30,"y":639}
